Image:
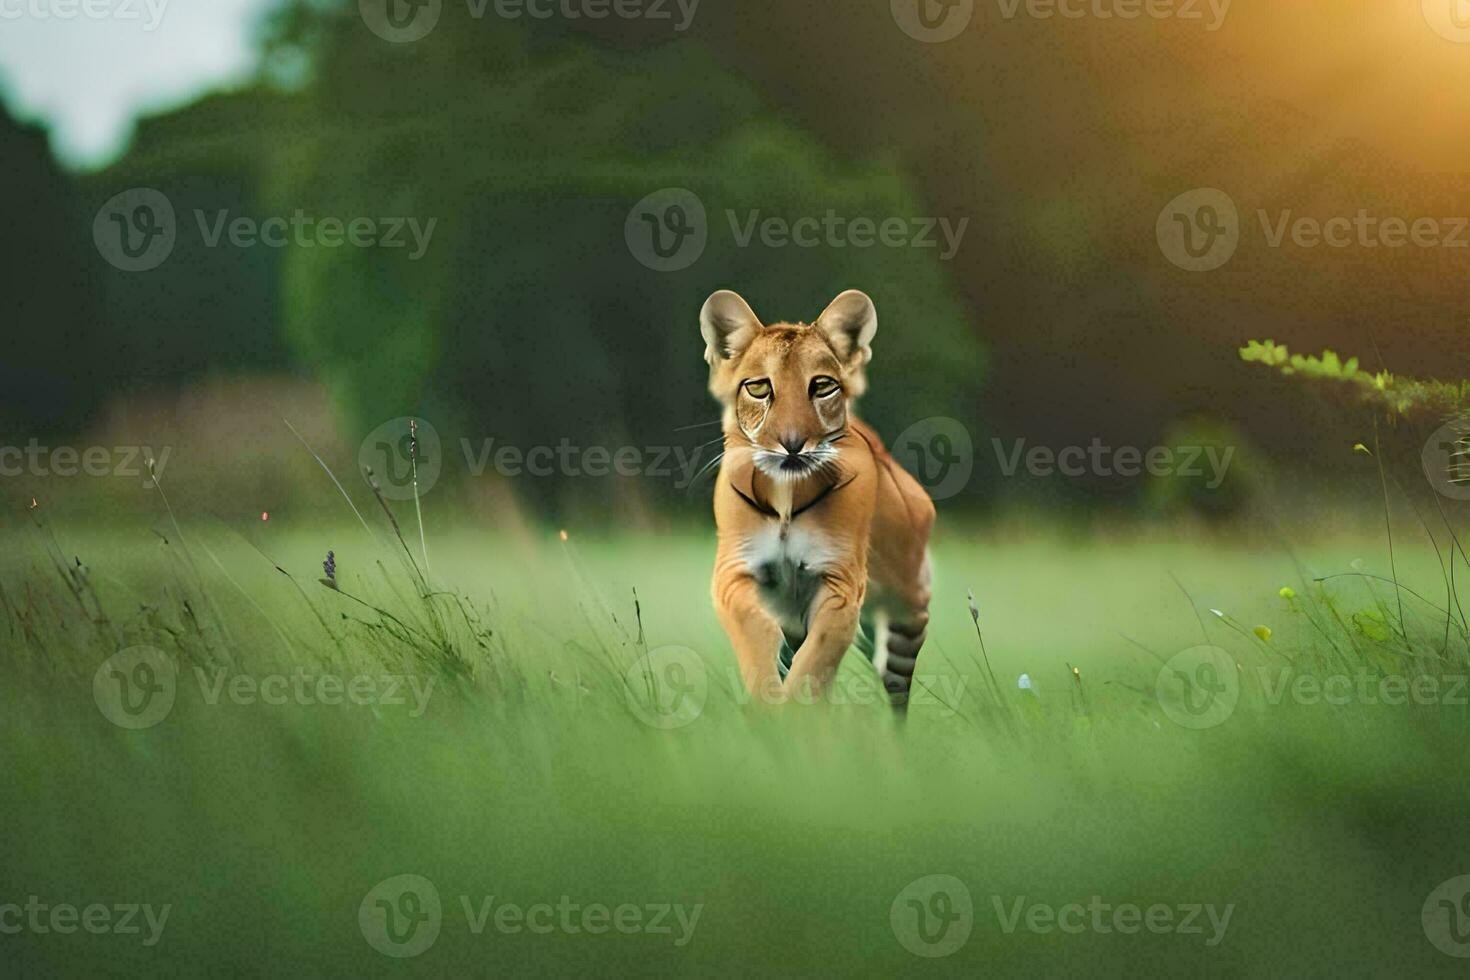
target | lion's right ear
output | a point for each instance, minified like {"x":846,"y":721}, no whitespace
{"x":728,"y":325}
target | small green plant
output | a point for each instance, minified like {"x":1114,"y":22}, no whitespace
{"x":1400,"y":396}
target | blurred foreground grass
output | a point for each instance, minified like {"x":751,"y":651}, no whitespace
{"x":528,"y":771}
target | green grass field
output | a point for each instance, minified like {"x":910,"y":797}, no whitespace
{"x":579,"y":796}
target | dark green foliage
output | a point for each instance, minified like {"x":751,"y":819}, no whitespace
{"x":527,"y":319}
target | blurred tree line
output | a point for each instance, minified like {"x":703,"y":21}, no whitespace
{"x":528,"y":318}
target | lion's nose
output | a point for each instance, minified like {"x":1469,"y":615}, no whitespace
{"x":792,"y":445}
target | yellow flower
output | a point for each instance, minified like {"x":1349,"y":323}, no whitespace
{"x":1264,"y":632}
{"x":1287,"y":593}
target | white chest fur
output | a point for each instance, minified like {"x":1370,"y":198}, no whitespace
{"x":781,"y":545}
{"x":787,"y":562}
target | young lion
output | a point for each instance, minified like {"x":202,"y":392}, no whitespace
{"x":817,"y":522}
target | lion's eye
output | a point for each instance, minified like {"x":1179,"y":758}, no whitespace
{"x":825,"y":387}
{"x":758,"y":389}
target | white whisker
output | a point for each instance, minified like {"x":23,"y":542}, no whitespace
{"x":706,"y":468}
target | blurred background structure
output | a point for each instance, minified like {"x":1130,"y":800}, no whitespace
{"x":528,"y":318}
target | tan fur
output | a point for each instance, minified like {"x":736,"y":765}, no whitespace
{"x":845,"y":526}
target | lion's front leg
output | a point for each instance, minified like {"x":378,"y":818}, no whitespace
{"x":831,"y":627}
{"x":752,"y":630}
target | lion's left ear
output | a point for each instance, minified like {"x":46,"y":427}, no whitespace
{"x":849,"y":324}
{"x":728,"y":325}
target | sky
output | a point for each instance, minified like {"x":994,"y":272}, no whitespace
{"x":88,"y":69}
